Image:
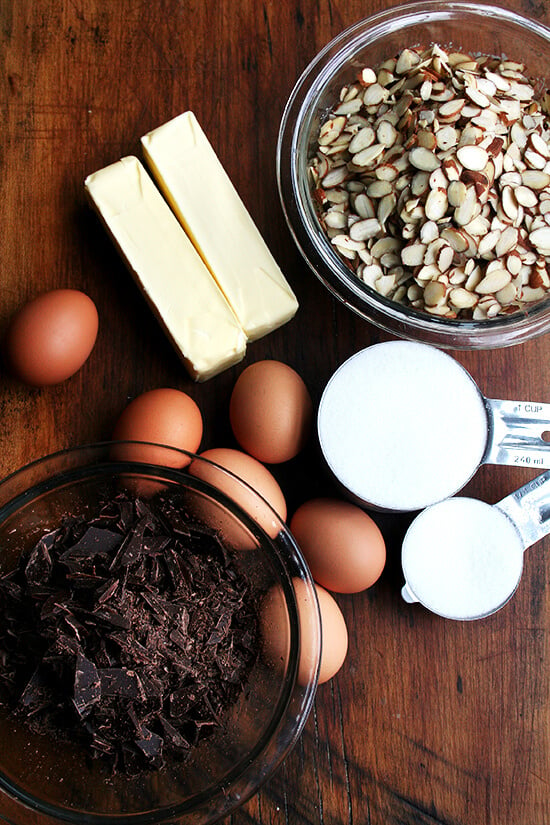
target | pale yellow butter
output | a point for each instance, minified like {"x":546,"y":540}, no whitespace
{"x":181,"y":291}
{"x":209,"y":208}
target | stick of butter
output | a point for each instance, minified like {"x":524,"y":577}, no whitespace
{"x":179,"y":288}
{"x":209,"y":208}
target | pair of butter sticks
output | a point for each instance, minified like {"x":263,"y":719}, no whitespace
{"x":202,"y":265}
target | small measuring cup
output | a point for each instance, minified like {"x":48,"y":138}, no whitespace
{"x":402,"y":425}
{"x":463,"y":558}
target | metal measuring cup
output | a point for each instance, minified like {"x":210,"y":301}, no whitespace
{"x":463,"y":558}
{"x":402,"y":425}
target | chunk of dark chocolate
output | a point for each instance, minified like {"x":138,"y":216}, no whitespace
{"x":87,"y":685}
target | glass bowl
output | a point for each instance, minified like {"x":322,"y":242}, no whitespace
{"x":467,"y":27}
{"x":57,"y":780}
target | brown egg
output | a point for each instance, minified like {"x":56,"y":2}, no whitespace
{"x":160,"y":416}
{"x":254,"y":474}
{"x":343,"y":546}
{"x":275,"y":630}
{"x":51,"y":337}
{"x":334,"y":634}
{"x":271,"y":411}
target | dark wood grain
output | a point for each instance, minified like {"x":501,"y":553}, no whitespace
{"x":429,"y":722}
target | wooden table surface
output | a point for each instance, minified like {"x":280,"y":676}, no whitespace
{"x":428,"y":722}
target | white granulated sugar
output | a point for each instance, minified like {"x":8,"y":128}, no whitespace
{"x":462,"y":558}
{"x":402,"y":425}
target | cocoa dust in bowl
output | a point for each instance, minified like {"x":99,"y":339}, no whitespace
{"x":130,"y":632}
{"x":431,"y":179}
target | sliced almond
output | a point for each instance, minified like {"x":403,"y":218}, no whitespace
{"x":446,"y":137}
{"x":426,"y":139}
{"x":413,"y":254}
{"x":472,"y":157}
{"x":508,"y":240}
{"x":349,"y":107}
{"x":494,"y":281}
{"x":384,"y":245}
{"x":456,"y":192}
{"x":370,"y":274}
{"x":534,"y":160}
{"x":464,"y":213}
{"x":507,"y":294}
{"x":366,"y":157}
{"x":434,"y":293}
{"x":452,"y":109}
{"x":513,"y":262}
{"x":456,"y":239}
{"x":428,"y":272}
{"x":330,"y":130}
{"x":488,"y":242}
{"x":429,"y":232}
{"x":386,"y":134}
{"x":365,"y":137}
{"x":364,"y":206}
{"x":539,"y":145}
{"x":540,"y":238}
{"x":478,"y":97}
{"x":386,"y":284}
{"x":525,"y":196}
{"x":407,"y":60}
{"x":432,"y":251}
{"x":436,"y":204}
{"x":374,"y":94}
{"x":509,"y":203}
{"x":386,"y":208}
{"x":445,"y":258}
{"x":336,"y":220}
{"x":379,"y":188}
{"x":462,"y":299}
{"x":387,"y":171}
{"x":335,"y":177}
{"x":438,"y":179}
{"x":535,"y":179}
{"x":530,"y":295}
{"x":420,"y":183}
{"x":367,"y":76}
{"x":365,"y":229}
{"x":423,"y":159}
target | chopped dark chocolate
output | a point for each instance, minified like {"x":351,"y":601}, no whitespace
{"x":132,"y":631}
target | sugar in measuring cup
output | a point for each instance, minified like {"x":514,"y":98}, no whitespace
{"x":402,"y":425}
{"x":463,"y":558}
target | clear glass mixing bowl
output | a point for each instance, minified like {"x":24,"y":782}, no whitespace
{"x":468,"y":27}
{"x":55,"y":779}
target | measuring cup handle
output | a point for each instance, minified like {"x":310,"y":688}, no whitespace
{"x":519,"y":433}
{"x":407,"y":596}
{"x":529,"y":509}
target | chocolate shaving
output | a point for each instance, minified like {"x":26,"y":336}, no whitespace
{"x":132,"y":632}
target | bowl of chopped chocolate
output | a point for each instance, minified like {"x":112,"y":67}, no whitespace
{"x":413,"y":166}
{"x":141,"y":677}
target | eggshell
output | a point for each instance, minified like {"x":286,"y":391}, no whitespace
{"x":343,"y":546}
{"x":334,"y":634}
{"x":51,"y":337}
{"x":161,"y":416}
{"x":271,"y":411}
{"x":255,"y":475}
{"x":275,"y":631}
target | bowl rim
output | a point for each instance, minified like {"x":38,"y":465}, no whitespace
{"x":301,"y":218}
{"x":242,"y":781}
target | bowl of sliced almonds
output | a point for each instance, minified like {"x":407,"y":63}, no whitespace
{"x":413,"y":167}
